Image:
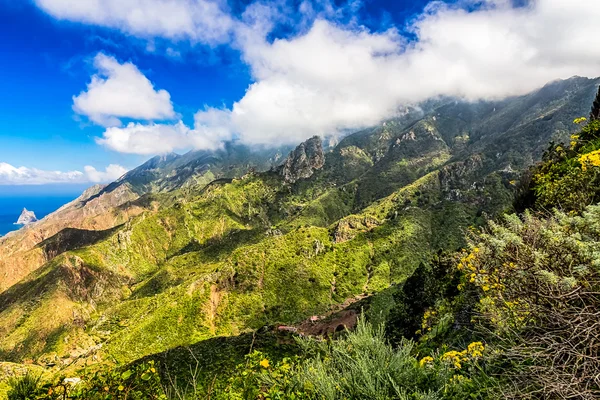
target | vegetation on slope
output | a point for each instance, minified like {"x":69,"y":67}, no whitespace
{"x":242,"y":254}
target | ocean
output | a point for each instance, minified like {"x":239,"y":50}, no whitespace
{"x":11,"y":206}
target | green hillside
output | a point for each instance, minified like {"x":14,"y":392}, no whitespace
{"x":216,"y":266}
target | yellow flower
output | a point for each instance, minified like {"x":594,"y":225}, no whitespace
{"x":579,"y":120}
{"x":121,"y":388}
{"x":455,"y":357}
{"x":264,"y":363}
{"x":476,"y":349}
{"x":590,"y":159}
{"x":153,"y":370}
{"x":425,"y":361}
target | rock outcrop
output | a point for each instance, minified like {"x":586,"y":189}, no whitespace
{"x":26,"y":217}
{"x":347,"y":228}
{"x":304,"y":160}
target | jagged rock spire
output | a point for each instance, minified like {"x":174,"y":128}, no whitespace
{"x":303,"y":161}
{"x":595,"y":114}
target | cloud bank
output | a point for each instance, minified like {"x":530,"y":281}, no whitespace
{"x":332,"y":77}
{"x":121,"y":91}
{"x":209,"y":132}
{"x":10,"y":175}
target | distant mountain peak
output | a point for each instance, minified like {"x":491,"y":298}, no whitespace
{"x":304,"y":160}
{"x":26,"y":217}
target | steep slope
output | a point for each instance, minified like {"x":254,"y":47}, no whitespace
{"x":239,"y":254}
{"x":104,"y":207}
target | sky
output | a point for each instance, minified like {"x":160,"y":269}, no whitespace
{"x":92,"y":88}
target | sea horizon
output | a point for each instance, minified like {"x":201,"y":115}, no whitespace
{"x":42,"y":200}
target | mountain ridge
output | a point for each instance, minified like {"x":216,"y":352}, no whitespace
{"x":223,"y":258}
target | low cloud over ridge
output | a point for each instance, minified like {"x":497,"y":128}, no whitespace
{"x":332,"y":77}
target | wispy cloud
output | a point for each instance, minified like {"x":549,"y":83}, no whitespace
{"x":10,"y":175}
{"x":121,"y":91}
{"x":196,"y":20}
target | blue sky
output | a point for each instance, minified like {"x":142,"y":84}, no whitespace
{"x":91,"y":89}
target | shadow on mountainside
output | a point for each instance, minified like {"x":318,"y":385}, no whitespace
{"x":71,"y":239}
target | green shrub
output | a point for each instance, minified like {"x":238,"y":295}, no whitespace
{"x":136,"y":382}
{"x":569,"y":176}
{"x":26,"y":387}
{"x":363,"y":365}
{"x":261,"y":378}
{"x":538,"y":281}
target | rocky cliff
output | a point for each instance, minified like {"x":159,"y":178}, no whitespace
{"x":304,"y":160}
{"x":27,"y":217}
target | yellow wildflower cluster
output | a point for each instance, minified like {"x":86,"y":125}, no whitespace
{"x":456,"y":358}
{"x":466,"y":262}
{"x":477,"y":274}
{"x":426,"y":361}
{"x":574,"y":139}
{"x":579,"y":120}
{"x":264,"y":363}
{"x":590,"y":159}
{"x":475,"y":349}
{"x":458,"y":379}
{"x":426,"y":317}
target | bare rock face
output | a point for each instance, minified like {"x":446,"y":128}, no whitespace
{"x":347,"y":228}
{"x":26,"y":217}
{"x":304,"y":160}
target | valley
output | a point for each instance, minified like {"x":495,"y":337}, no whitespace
{"x":204,"y":250}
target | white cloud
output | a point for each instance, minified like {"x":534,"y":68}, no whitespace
{"x":138,"y":138}
{"x":121,"y":91}
{"x":112,"y":173}
{"x":210,"y":130}
{"x":335,"y":78}
{"x":10,"y":175}
{"x":197,"y":20}
{"x":331,"y":77}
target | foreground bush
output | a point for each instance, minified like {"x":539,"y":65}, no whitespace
{"x":28,"y":386}
{"x":363,"y":365}
{"x":569,"y":176}
{"x":538,"y":281}
{"x":139,"y":382}
{"x":359,"y":365}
